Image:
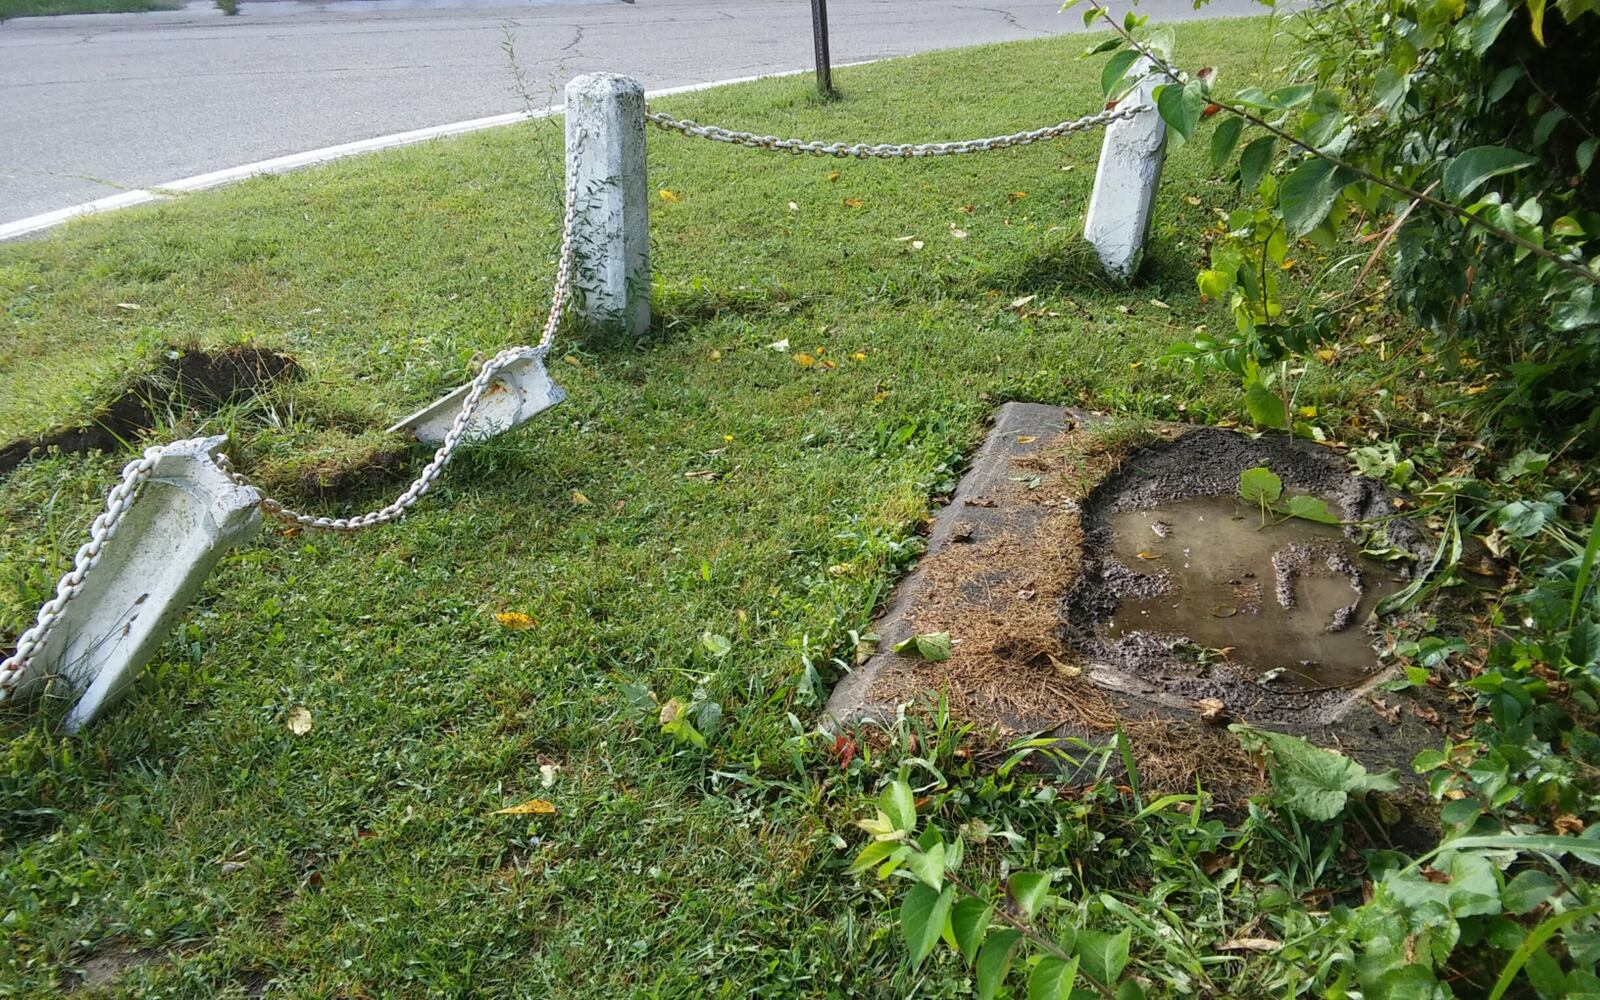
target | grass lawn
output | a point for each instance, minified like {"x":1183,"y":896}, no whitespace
{"x":38,"y":8}
{"x":192,"y":845}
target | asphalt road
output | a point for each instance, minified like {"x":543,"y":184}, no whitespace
{"x":92,"y":105}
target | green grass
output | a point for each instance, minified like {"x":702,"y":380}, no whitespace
{"x":192,"y":830}
{"x":40,"y":8}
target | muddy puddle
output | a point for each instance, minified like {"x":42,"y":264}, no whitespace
{"x":1285,"y":602}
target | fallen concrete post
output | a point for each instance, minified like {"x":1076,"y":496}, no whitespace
{"x":187,"y":515}
{"x":606,"y":178}
{"x":1127,"y":179}
{"x":517,"y":392}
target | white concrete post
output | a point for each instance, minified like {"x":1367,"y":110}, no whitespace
{"x":1126,"y":181}
{"x":517,"y":393}
{"x":606,"y":176}
{"x":186,"y":517}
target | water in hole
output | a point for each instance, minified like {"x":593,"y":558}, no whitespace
{"x":1225,"y":580}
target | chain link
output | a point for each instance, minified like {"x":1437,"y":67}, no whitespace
{"x":134,"y":475}
{"x":458,"y":429}
{"x":888,"y":150}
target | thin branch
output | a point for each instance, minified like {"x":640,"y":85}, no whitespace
{"x":1571,"y":267}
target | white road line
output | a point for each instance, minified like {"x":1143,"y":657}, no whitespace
{"x":281,"y":164}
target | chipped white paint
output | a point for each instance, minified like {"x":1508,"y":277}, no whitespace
{"x":1126,"y":181}
{"x":185,"y":518}
{"x":517,"y":392}
{"x":607,"y":181}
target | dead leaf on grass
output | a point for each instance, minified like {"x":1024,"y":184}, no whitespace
{"x":299,"y":720}
{"x":532,"y":807}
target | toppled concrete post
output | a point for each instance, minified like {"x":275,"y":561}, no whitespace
{"x":607,"y":180}
{"x":517,"y":392}
{"x":185,"y":518}
{"x":1126,"y":181}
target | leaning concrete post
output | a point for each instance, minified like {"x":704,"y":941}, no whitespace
{"x":1125,"y":183}
{"x":610,"y":226}
{"x":186,"y":517}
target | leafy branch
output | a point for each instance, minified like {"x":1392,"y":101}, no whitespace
{"x":1566,"y":264}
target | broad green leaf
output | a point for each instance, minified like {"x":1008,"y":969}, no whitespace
{"x":1223,"y":139}
{"x":922,"y":918}
{"x":1052,"y":979}
{"x":1524,"y":462}
{"x":1180,"y":106}
{"x":1311,"y":781}
{"x":929,"y":646}
{"x":1307,"y":194}
{"x":717,"y":645}
{"x":1110,"y":44}
{"x":994,"y":961}
{"x":1026,"y":891}
{"x":1524,"y":893}
{"x":900,"y":805}
{"x":872,"y":854}
{"x":1264,"y":406}
{"x":1586,"y":151}
{"x":1309,"y":509}
{"x":1115,"y":69}
{"x":969,"y":921}
{"x":1129,"y":989}
{"x":927,"y":866}
{"x":1254,"y":160}
{"x":1469,"y":171}
{"x":1104,"y":956}
{"x":1260,"y":485}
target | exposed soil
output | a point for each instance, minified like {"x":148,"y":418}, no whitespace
{"x":1018,"y":573}
{"x":1317,"y":655}
{"x":192,"y":381}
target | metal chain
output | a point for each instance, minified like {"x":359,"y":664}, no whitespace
{"x":889,"y":150}
{"x":134,"y":475}
{"x":458,"y":429}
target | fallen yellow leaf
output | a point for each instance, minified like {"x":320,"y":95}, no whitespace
{"x":579,"y":499}
{"x":1016,"y":195}
{"x":669,"y":196}
{"x":833,"y":175}
{"x":852,"y":202}
{"x":1025,"y":438}
{"x":299,"y":720}
{"x":1326,"y":355}
{"x":859,"y":356}
{"x":532,"y":807}
{"x":516,"y":621}
{"x":1307,"y":411}
{"x":804,"y":360}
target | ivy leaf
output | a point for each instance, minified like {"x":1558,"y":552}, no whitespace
{"x":969,"y":921}
{"x":1025,"y":891}
{"x":1469,"y":171}
{"x":1223,"y":139}
{"x":1307,"y":194}
{"x":1052,"y":979}
{"x":994,"y":961}
{"x":1254,"y":160}
{"x":1260,"y":485}
{"x":1264,"y":406}
{"x":1309,"y":509}
{"x":922,"y":917}
{"x":1104,"y":955}
{"x":1115,"y":69}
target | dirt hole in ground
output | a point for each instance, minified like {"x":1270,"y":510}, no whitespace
{"x":192,"y":381}
{"x":1192,"y":590}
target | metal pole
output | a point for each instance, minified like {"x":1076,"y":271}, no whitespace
{"x":819,"y":36}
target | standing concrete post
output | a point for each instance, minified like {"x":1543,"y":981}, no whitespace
{"x":1126,"y":181}
{"x":184,"y":519}
{"x":606,"y":177}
